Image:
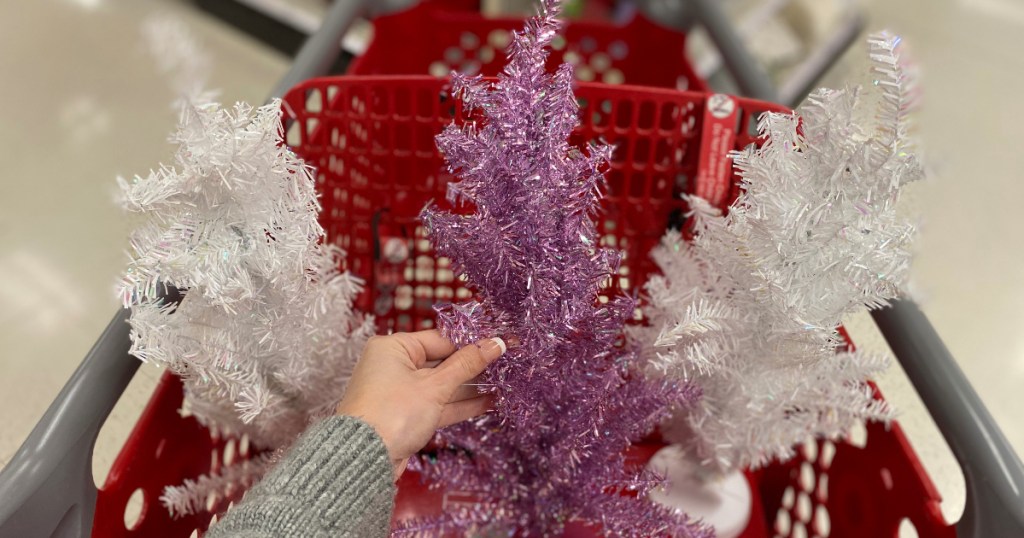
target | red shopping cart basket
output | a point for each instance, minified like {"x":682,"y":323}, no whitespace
{"x":371,"y":139}
{"x":430,"y":39}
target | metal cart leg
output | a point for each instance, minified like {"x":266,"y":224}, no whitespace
{"x":805,"y":78}
{"x":47,"y":488}
{"x":750,"y":76}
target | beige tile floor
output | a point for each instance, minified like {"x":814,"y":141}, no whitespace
{"x":84,"y":104}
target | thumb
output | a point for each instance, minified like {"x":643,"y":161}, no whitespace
{"x":469,"y":362}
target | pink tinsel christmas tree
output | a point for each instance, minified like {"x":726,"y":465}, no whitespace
{"x":566,"y":404}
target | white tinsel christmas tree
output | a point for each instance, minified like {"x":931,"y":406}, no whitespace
{"x":265,"y":337}
{"x":750,"y":308}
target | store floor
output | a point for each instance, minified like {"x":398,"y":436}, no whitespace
{"x":85,"y":104}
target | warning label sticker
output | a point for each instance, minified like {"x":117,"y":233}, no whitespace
{"x":718,"y":135}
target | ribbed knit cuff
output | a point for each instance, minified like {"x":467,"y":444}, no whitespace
{"x":342,"y":467}
{"x":337,"y":480}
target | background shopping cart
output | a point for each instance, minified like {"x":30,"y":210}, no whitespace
{"x":93,"y":383}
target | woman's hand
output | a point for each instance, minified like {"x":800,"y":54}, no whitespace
{"x":407,"y":385}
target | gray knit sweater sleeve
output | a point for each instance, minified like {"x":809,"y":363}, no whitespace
{"x":336,"y":481}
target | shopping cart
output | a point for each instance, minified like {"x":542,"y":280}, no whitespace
{"x":638,"y":52}
{"x":371,"y":139}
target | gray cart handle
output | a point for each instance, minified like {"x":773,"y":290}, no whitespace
{"x":992,"y":471}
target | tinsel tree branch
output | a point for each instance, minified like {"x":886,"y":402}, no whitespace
{"x":191,"y":497}
{"x":265,"y":337}
{"x":566,"y":404}
{"x":751,"y":308}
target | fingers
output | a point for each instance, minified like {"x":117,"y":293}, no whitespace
{"x":469,"y":362}
{"x":424,"y":346}
{"x":464,"y":410}
{"x":467,"y":391}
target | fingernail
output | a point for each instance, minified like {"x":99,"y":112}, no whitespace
{"x":492,"y":348}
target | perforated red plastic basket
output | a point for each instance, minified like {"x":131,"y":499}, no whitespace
{"x":371,"y":139}
{"x":432,"y":39}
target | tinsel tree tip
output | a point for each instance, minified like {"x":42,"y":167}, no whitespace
{"x":550,"y":9}
{"x":895,"y":75}
{"x":889,"y":47}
